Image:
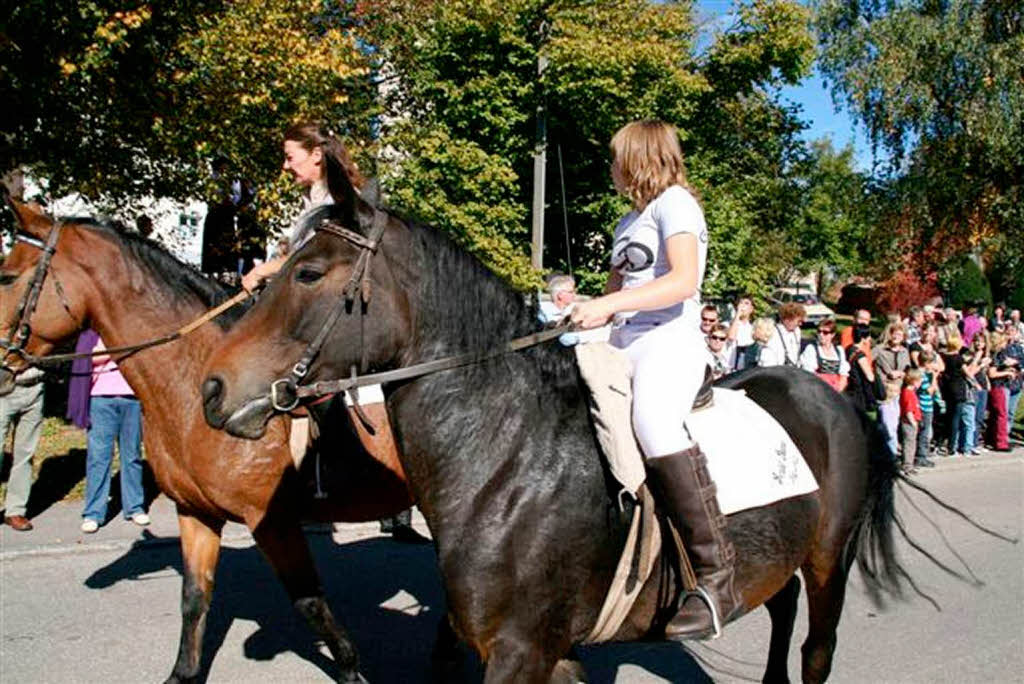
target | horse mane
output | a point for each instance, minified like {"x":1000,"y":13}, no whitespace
{"x":463,"y":306}
{"x":182,"y":281}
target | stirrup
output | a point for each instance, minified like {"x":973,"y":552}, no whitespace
{"x":702,"y":594}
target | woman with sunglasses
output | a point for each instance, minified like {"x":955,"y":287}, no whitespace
{"x":824,"y":358}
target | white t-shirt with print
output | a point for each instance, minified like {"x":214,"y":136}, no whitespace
{"x":638,"y":251}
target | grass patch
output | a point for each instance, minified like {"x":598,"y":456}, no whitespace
{"x":59,"y":463}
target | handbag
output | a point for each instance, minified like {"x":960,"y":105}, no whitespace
{"x":878,"y":388}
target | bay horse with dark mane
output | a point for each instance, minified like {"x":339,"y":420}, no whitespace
{"x":503,"y":461}
{"x":129,"y":288}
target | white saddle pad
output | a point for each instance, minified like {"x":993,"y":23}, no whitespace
{"x":750,"y":456}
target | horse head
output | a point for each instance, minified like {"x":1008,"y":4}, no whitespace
{"x":42,"y":300}
{"x":338,"y":288}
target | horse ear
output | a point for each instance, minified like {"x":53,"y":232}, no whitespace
{"x":31,"y":217}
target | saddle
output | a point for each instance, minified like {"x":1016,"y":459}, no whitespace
{"x":705,"y":395}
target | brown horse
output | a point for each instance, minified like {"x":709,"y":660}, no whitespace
{"x":128,"y":288}
{"x":502,"y":457}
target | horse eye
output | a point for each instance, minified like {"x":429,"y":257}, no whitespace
{"x":7,"y":278}
{"x":308,"y":275}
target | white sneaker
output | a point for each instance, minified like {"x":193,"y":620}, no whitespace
{"x":89,"y":525}
{"x":140,"y":519}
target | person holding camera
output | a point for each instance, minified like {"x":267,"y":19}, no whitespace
{"x":741,"y":329}
{"x":862,"y":320}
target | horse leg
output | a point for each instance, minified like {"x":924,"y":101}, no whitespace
{"x":518,"y":660}
{"x":200,"y":549}
{"x":825,"y":596}
{"x":568,"y":672}
{"x":286,"y":550}
{"x":445,"y":658}
{"x":782,"y":609}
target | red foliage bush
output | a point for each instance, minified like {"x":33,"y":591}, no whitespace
{"x":905,"y":289}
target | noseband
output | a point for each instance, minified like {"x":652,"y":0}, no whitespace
{"x":21,"y":330}
{"x":284,"y":392}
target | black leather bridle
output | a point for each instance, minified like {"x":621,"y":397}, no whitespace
{"x":284,"y":395}
{"x":20,"y":331}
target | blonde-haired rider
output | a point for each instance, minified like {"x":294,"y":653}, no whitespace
{"x":653,"y":300}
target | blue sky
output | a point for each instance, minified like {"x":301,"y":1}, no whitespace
{"x":819,"y":112}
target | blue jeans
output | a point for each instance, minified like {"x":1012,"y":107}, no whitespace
{"x":961,"y":428}
{"x":980,"y":405}
{"x":1011,"y":406}
{"x":113,"y":418}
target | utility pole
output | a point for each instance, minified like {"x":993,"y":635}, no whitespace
{"x":540,"y":155}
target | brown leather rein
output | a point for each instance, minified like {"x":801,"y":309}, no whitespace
{"x":21,"y":330}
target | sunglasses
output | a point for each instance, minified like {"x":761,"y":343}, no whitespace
{"x":718,"y":338}
{"x":708,"y":320}
{"x":826,"y":332}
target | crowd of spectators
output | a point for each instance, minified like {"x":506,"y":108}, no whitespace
{"x":939,"y":383}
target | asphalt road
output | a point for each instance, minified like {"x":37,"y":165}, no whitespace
{"x":106,"y":614}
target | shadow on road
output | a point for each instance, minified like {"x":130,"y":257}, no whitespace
{"x":388,"y":596}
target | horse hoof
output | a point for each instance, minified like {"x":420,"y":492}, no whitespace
{"x":175,"y":679}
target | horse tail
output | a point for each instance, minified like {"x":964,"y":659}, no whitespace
{"x":873,"y":539}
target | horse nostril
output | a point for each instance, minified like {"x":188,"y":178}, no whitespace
{"x":212,"y":391}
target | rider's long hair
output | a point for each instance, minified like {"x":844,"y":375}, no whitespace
{"x":650,"y":160}
{"x":340,"y":172}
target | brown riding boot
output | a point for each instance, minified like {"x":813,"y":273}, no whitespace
{"x":684,"y":487}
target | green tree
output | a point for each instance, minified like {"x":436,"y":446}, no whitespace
{"x":836,"y":218}
{"x":463,"y":90}
{"x":121,"y":99}
{"x":938,"y":86}
{"x":964,"y":284}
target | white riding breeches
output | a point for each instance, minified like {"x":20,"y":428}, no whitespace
{"x":668,"y":369}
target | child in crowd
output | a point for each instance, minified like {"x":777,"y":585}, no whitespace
{"x":926,"y":393}
{"x":910,"y":417}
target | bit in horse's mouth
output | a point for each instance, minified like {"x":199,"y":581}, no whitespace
{"x":250,"y":421}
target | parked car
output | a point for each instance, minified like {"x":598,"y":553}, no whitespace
{"x":816,"y":311}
